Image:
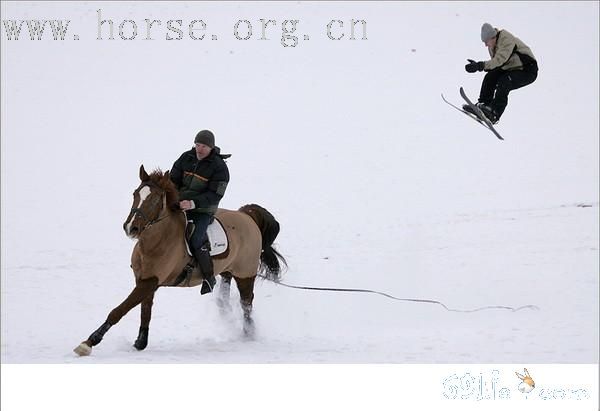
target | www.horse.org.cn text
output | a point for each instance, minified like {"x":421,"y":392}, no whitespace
{"x":108,"y":28}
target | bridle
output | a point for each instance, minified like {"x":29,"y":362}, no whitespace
{"x":139,"y":212}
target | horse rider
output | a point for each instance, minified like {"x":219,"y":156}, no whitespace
{"x":201,"y":177}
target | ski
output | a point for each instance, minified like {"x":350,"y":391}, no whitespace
{"x":481,"y":116}
{"x":474,"y":117}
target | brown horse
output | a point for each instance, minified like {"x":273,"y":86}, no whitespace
{"x":160,"y":257}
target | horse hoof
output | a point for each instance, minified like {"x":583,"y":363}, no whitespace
{"x":224,"y":309}
{"x":83,"y":349}
{"x":249,"y":330}
{"x":142,"y":340}
{"x":249,"y":335}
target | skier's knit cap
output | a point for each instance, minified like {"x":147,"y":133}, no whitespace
{"x":487,"y":32}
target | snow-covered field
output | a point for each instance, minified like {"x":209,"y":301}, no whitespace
{"x":375,"y":181}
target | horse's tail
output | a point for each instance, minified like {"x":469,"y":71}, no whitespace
{"x":270,"y":260}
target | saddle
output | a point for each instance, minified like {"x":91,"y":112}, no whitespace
{"x":217,"y":237}
{"x":218,"y":244}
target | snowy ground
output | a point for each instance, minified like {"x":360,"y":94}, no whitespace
{"x":376,"y":183}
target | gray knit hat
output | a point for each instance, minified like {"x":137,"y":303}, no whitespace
{"x":487,"y":32}
{"x":205,"y":137}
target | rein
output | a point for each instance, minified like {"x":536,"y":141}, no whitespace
{"x":412,"y":300}
{"x":149,"y":222}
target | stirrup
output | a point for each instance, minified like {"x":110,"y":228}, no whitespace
{"x":186,"y":274}
{"x":207,"y":287}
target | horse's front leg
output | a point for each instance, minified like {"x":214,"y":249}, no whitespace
{"x":246,"y":289}
{"x":224,"y":292}
{"x":142,"y":290}
{"x":142,"y":340}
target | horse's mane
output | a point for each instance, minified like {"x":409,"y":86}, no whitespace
{"x":158,"y":178}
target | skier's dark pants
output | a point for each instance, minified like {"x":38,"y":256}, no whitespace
{"x":498,"y":83}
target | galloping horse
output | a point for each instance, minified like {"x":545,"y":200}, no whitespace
{"x":160,"y":256}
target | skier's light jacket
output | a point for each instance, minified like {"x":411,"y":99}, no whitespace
{"x":510,"y":53}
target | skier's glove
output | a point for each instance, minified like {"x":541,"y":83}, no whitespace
{"x":474,"y":66}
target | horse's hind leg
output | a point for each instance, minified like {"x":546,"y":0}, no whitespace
{"x":246,"y":289}
{"x":143,"y":289}
{"x":142,"y":340}
{"x":224,"y":291}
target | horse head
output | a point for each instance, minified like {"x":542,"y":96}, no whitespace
{"x":149,"y":202}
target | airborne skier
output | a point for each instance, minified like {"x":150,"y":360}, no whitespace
{"x":512,"y":66}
